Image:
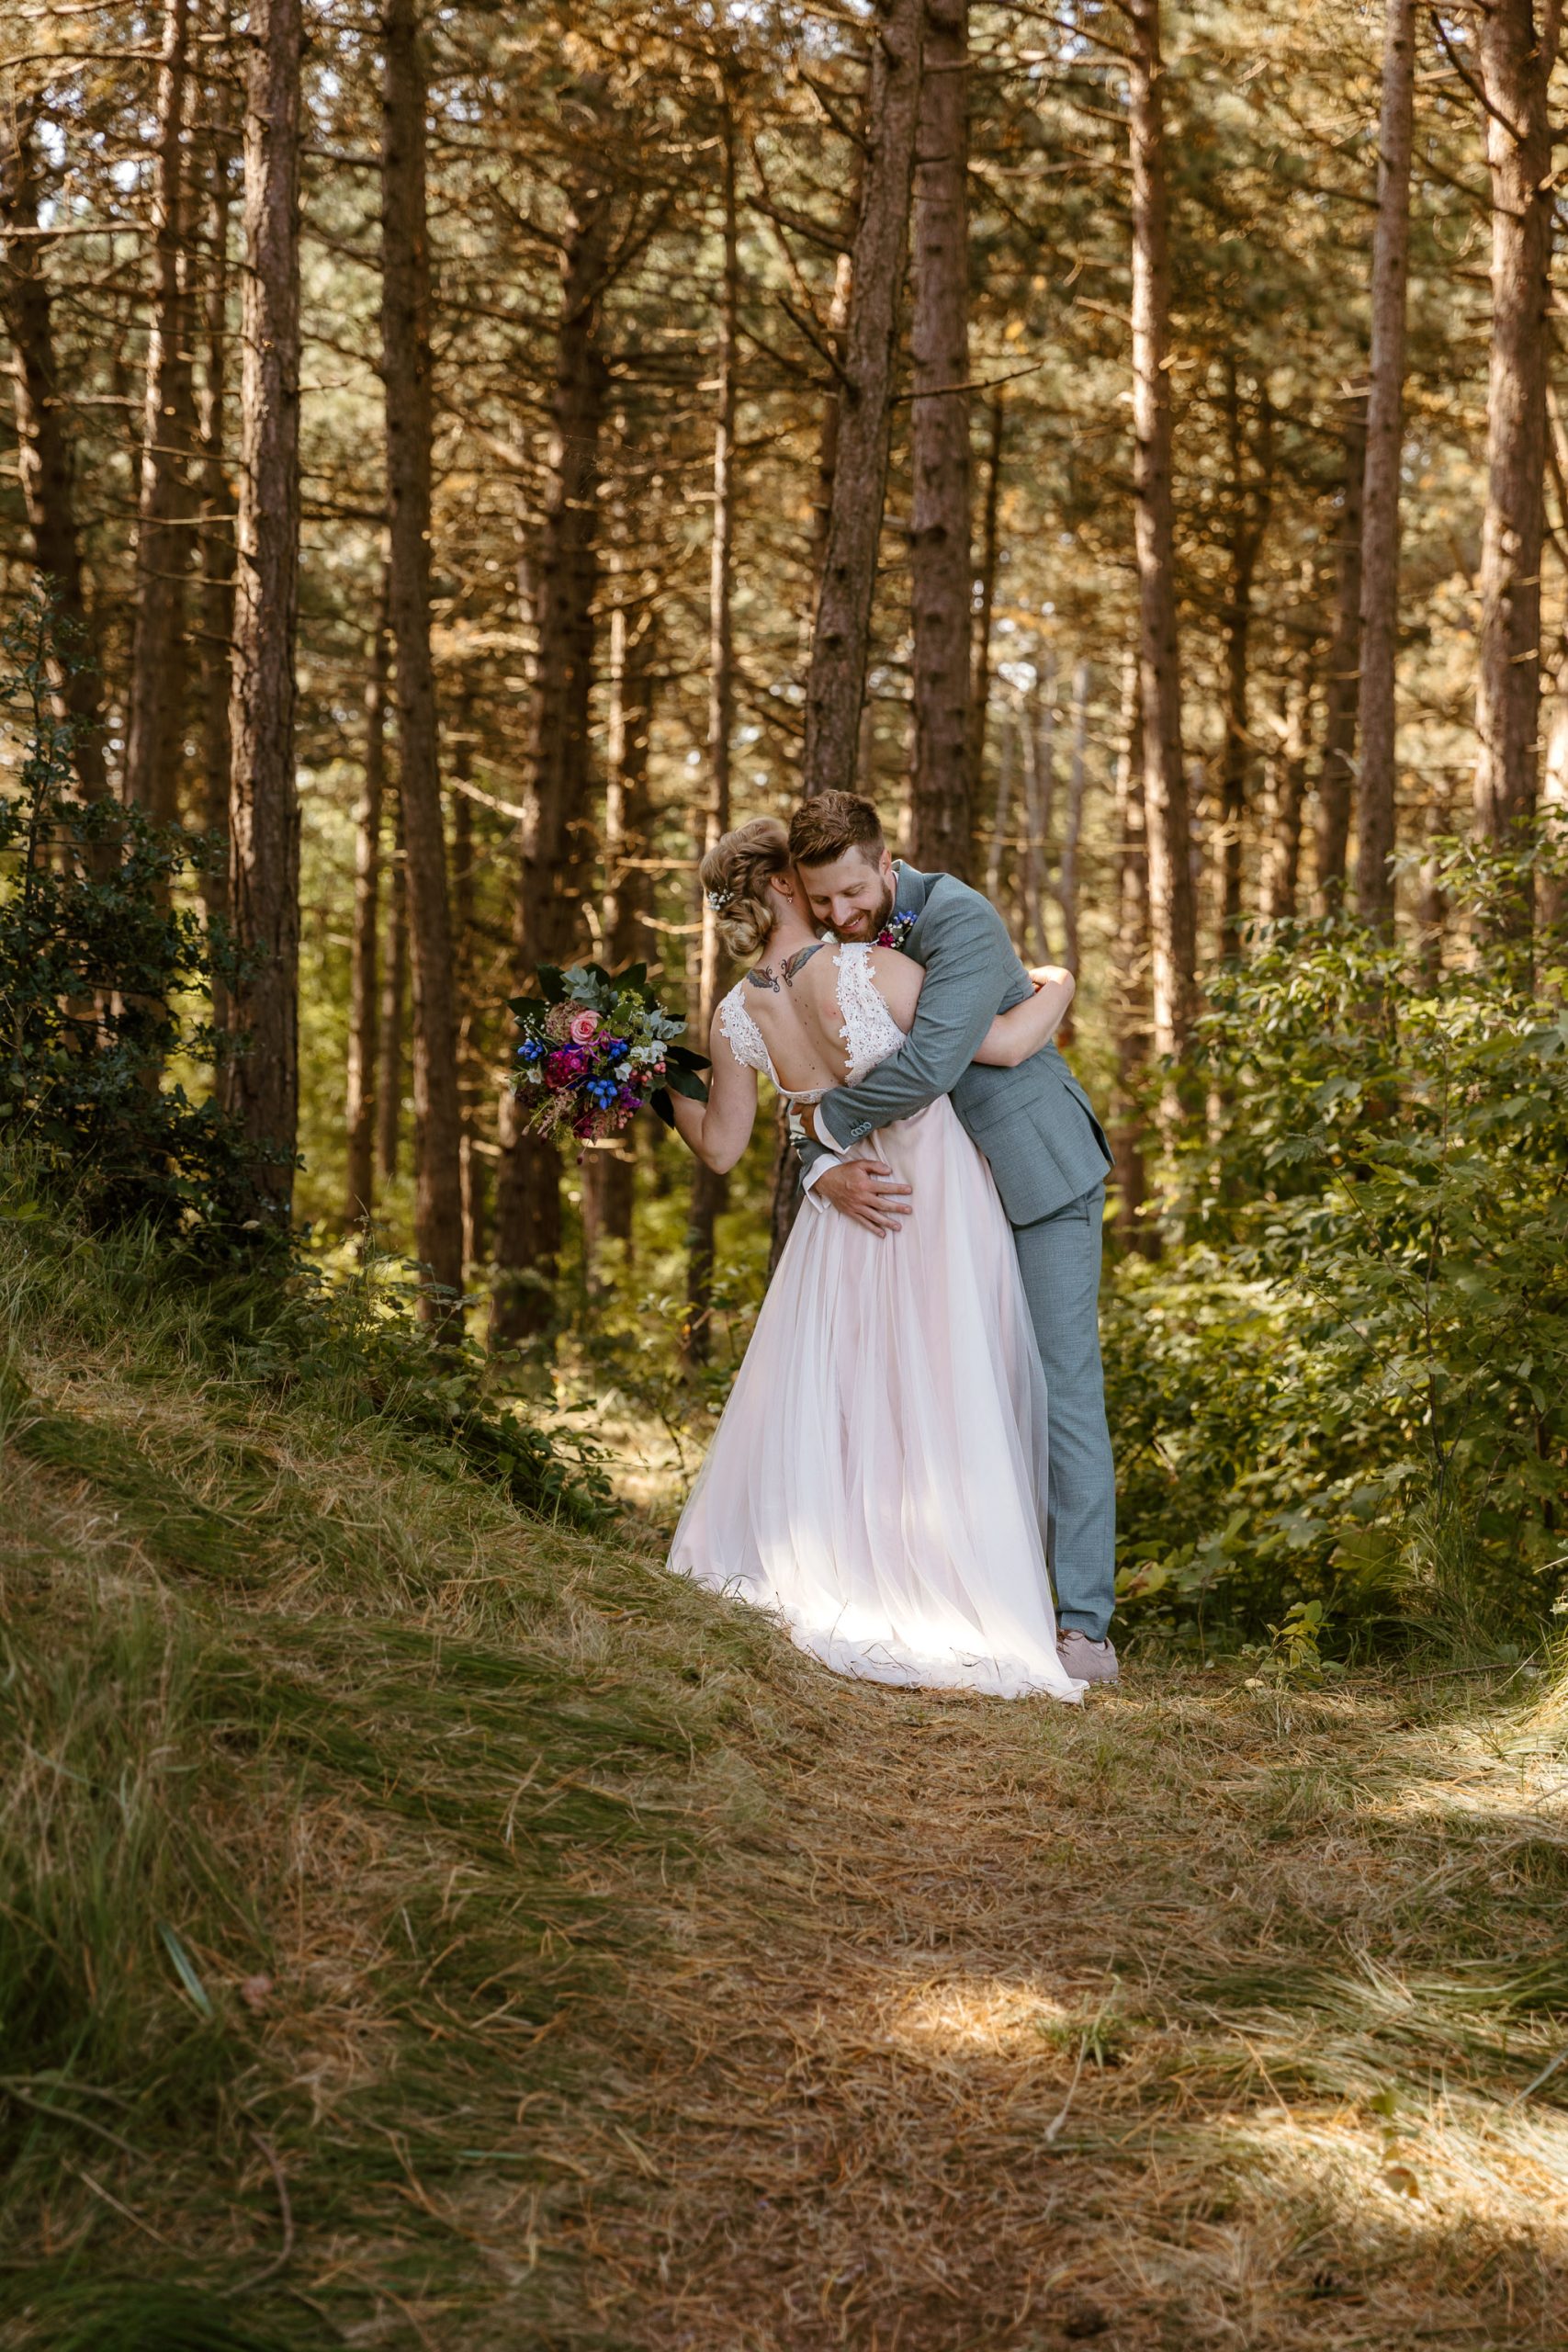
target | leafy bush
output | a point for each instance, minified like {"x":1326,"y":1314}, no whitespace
{"x":102,"y":976}
{"x":1350,"y":1382}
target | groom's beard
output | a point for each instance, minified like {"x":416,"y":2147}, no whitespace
{"x":867,"y":925}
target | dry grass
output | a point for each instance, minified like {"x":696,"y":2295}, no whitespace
{"x":629,"y":1982}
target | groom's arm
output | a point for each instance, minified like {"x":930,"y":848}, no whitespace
{"x":972,"y":973}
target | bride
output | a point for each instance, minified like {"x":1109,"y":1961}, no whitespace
{"x":878,"y":1477}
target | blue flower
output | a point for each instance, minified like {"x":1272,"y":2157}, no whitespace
{"x":602,"y":1092}
{"x":616,"y":1051}
{"x":533,"y":1049}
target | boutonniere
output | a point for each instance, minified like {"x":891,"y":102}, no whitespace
{"x":895,"y":932}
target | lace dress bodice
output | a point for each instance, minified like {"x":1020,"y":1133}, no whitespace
{"x":868,"y":1029}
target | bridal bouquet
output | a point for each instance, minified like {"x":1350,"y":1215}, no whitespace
{"x":593,"y":1050}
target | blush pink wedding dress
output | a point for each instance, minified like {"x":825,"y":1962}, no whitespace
{"x":878,"y":1481}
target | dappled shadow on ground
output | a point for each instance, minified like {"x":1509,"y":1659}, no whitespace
{"x":1205,"y":2016}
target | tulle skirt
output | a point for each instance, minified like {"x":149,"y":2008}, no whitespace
{"x":878,"y":1478}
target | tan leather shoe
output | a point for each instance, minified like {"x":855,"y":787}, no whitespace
{"x":1088,"y":1661}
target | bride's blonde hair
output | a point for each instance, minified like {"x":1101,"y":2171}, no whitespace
{"x":736,"y":874}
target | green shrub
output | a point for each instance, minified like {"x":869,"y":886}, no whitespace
{"x":105,"y":980}
{"x":1349,"y":1380}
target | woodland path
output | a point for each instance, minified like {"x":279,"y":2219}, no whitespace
{"x":1199,"y":2017}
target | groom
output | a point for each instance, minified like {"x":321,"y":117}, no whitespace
{"x":1034,"y":1123}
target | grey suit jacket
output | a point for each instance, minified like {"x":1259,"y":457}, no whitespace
{"x":1035,"y":1123}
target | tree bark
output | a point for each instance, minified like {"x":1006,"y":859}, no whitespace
{"x":836,"y":681}
{"x":471,"y":1055}
{"x":1281,"y":866}
{"x":1386,"y":441}
{"x":155,"y":727}
{"x":1072,"y":834}
{"x":1172,"y":917}
{"x":1552,"y":889}
{"x":359,"y":1106}
{"x":261,"y":1078}
{"x":608,"y":1176}
{"x":709,"y":1191}
{"x":828,"y":444}
{"x":1337,"y":767}
{"x":215,"y":534}
{"x":985,"y":601}
{"x":43,"y":446}
{"x":527,"y":1234}
{"x":1250,"y":507}
{"x":406,"y":375}
{"x":1129,"y":974}
{"x":390,"y":1052}
{"x":1517,"y":42}
{"x":942,"y":565}
{"x":1037,"y":722}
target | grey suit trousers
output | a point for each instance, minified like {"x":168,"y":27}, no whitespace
{"x":1059,"y":1258}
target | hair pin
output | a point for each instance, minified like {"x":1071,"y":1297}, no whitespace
{"x":719,"y":899}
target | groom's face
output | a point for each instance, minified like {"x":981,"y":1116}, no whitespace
{"x":852,"y":897}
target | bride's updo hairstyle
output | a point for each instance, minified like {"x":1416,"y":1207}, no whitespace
{"x":736,"y":874}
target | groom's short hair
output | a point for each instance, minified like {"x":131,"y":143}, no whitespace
{"x":830,"y":824}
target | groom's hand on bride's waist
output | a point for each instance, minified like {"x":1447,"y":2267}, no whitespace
{"x":867,"y":1193}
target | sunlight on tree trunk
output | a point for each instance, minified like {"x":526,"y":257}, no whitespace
{"x":1172,"y":920}
{"x":1517,"y":55}
{"x":261,"y":1076}
{"x":1337,"y":765}
{"x":1376,"y":715}
{"x":155,"y":733}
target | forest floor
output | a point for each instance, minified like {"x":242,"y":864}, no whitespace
{"x":418,"y":1928}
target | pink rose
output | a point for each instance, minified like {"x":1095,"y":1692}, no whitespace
{"x":584,"y":1028}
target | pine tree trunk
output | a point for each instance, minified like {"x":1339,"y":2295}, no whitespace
{"x":261,"y":1079}
{"x":1281,"y":869}
{"x":390,"y":1051}
{"x":1001,"y":814}
{"x":1250,"y":507}
{"x":1552,"y":889}
{"x":1172,"y":918}
{"x":1130,"y":960}
{"x":216,"y":537}
{"x":1517,"y":44}
{"x":155,"y":727}
{"x":985,"y":605}
{"x":608,"y":1176}
{"x":359,"y":1106}
{"x":1375,"y":715}
{"x":43,"y":444}
{"x":709,"y":1191}
{"x":836,"y":682}
{"x":942,"y":566}
{"x":1037,"y":724}
{"x":1431,"y":899}
{"x":1337,"y":767}
{"x":527,"y":1209}
{"x":406,"y":375}
{"x":470,"y":1054}
{"x":1072,"y":834}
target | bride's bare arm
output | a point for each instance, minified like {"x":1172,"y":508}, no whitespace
{"x":1013,"y":1036}
{"x":719,"y":1129}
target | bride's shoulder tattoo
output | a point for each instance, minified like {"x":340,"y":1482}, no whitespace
{"x":764,"y":977}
